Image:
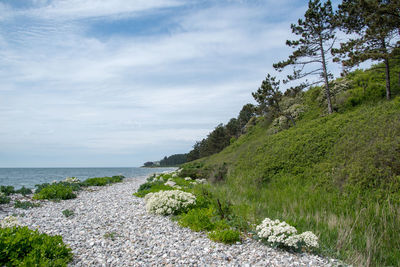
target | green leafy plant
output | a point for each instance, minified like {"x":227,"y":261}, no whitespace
{"x":111,"y":235}
{"x":227,"y":236}
{"x":68,"y":213}
{"x":20,"y":246}
{"x":4,"y":199}
{"x":7,"y":190}
{"x":25,"y":205}
{"x":102,"y":181}
{"x":198,"y":220}
{"x":56,"y":191}
{"x":24,"y":191}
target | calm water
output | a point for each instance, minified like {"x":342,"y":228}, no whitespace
{"x":28,"y":177}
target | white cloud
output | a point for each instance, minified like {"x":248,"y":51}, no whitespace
{"x":63,"y":88}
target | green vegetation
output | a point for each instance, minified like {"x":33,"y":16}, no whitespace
{"x":152,"y":187}
{"x":4,"y":199}
{"x":56,"y":191}
{"x":227,"y":236}
{"x":68,"y":213}
{"x":66,"y":190}
{"x":102,"y":181}
{"x":24,"y":191}
{"x":7,"y":190}
{"x":25,"y":205}
{"x":20,"y":246}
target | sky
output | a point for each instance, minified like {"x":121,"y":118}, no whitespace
{"x":112,"y":83}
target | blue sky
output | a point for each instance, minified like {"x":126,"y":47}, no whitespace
{"x":120,"y":82}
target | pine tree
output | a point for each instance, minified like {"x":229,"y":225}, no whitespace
{"x":316,"y":40}
{"x":376,"y":23}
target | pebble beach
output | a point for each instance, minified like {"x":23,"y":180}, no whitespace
{"x":110,"y":227}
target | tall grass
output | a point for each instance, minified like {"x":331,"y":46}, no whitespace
{"x":338,"y":176}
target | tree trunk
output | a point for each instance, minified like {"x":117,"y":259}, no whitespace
{"x":387,"y":71}
{"x":325,"y":74}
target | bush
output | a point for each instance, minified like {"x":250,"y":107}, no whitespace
{"x":56,"y":191}
{"x":25,"y":205}
{"x":152,"y":188}
{"x":4,"y":199}
{"x":198,"y":220}
{"x":227,"y":236}
{"x":102,"y":181}
{"x":24,"y":191}
{"x":20,"y":246}
{"x":7,"y":190}
{"x":169,"y":202}
{"x":281,"y":234}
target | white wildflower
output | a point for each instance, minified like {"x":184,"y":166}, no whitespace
{"x":9,"y":221}
{"x":188,"y":179}
{"x":72,"y":180}
{"x":310,"y":239}
{"x":282,"y":234}
{"x":169,"y":202}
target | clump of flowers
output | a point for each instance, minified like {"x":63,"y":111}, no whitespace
{"x":9,"y":221}
{"x":281,"y":234}
{"x":72,"y":180}
{"x":169,"y":202}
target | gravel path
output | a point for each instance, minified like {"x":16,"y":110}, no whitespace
{"x":111,"y":228}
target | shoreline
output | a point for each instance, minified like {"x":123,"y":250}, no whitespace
{"x":111,"y":228}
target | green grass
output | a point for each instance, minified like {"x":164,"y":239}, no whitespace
{"x":56,"y":191}
{"x":337,"y":175}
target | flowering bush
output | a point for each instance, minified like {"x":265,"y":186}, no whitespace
{"x":169,"y":202}
{"x":72,"y":180}
{"x":281,"y":234}
{"x":9,"y":221}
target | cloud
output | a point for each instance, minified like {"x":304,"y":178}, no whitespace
{"x":64,"y":88}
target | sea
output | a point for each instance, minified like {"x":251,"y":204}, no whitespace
{"x":29,"y":177}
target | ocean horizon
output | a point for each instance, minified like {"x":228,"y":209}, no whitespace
{"x":30,"y":176}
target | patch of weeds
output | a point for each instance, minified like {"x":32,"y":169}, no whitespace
{"x":25,"y":247}
{"x":56,"y":191}
{"x":4,"y":199}
{"x":156,"y":187}
{"x":111,"y":235}
{"x":18,"y":214}
{"x":102,"y":181}
{"x":227,"y":236}
{"x":24,"y":191}
{"x":25,"y":205}
{"x":198,"y":220}
{"x":68,"y":213}
{"x":7,"y":190}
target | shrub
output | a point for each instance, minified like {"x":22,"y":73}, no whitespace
{"x":25,"y":205}
{"x":56,"y":191}
{"x":153,"y":188}
{"x":68,"y":213}
{"x":7,"y":190}
{"x":198,"y":220}
{"x":227,"y":236}
{"x":281,"y":234}
{"x":102,"y":181}
{"x":4,"y":199}
{"x":169,"y":202}
{"x":21,"y":246}
{"x":24,"y":191}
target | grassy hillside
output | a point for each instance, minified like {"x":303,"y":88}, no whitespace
{"x":336,"y":175}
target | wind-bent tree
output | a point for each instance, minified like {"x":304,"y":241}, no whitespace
{"x":376,"y":23}
{"x":268,"y":97}
{"x":317,"y":37}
